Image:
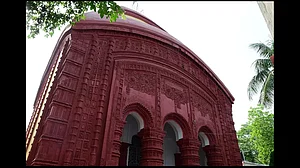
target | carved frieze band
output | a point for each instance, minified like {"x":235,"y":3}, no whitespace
{"x":159,"y":50}
{"x":140,"y":80}
{"x":202,"y":105}
{"x":227,"y":128}
{"x":100,"y":56}
{"x":148,"y":68}
{"x":178,"y":94}
{"x":81,"y":142}
{"x":157,"y":102}
{"x":139,"y":74}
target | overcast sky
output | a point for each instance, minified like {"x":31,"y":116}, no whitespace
{"x":217,"y":32}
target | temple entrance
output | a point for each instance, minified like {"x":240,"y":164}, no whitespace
{"x":171,"y":154}
{"x":130,"y":151}
{"x":202,"y":154}
{"x":134,"y":155}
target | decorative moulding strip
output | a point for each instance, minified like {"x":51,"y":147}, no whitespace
{"x":152,"y":33}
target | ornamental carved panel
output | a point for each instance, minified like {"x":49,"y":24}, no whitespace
{"x":67,"y":81}
{"x":63,"y":96}
{"x":202,"y":105}
{"x":164,"y":53}
{"x":142,"y":81}
{"x":72,"y":68}
{"x":174,"y":92}
{"x":60,"y":112}
{"x":49,"y":150}
{"x":55,"y":129}
{"x":150,"y":48}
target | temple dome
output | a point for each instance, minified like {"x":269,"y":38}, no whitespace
{"x":139,"y":24}
{"x":134,"y":19}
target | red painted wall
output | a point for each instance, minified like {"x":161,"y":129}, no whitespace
{"x":109,"y":70}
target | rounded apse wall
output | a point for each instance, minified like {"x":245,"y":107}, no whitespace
{"x":109,"y":70}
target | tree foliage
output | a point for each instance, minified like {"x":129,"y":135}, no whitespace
{"x":50,"y":15}
{"x":256,"y":137}
{"x":246,"y":145}
{"x":263,"y":81}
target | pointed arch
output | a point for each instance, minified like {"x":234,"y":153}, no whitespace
{"x":207,"y":135}
{"x":140,"y":113}
{"x":180,"y":121}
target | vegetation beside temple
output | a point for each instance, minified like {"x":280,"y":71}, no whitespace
{"x":256,"y":137}
{"x":51,"y":15}
{"x":263,"y":81}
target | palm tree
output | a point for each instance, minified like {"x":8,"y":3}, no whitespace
{"x":263,"y":81}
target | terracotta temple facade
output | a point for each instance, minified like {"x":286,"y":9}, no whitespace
{"x":127,"y":93}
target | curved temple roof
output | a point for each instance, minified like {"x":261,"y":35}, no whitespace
{"x":139,"y":24}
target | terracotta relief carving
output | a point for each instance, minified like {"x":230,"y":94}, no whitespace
{"x":63,"y":96}
{"x":193,"y":121}
{"x":158,"y":107}
{"x":173,"y":57}
{"x":119,"y":89}
{"x":60,"y":112}
{"x":103,"y":48}
{"x":169,"y":54}
{"x":203,"y":105}
{"x":72,"y":69}
{"x":55,"y":129}
{"x":185,"y":63}
{"x":162,"y":52}
{"x":67,"y":82}
{"x":77,"y":113}
{"x":179,"y":96}
{"x":149,"y":48}
{"x":120,"y":44}
{"x":49,"y":150}
{"x":141,"y":81}
{"x":135,"y":45}
{"x":76,"y":56}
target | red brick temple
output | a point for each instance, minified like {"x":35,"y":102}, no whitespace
{"x":127,"y":93}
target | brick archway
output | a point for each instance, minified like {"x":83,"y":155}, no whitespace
{"x":212,"y":150}
{"x":186,"y":130}
{"x":209,"y":133}
{"x":130,"y":152}
{"x":188,"y":145}
{"x":139,"y":109}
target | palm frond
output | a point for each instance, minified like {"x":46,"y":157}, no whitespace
{"x":264,"y":78}
{"x":262,"y":64}
{"x":270,"y":43}
{"x":256,"y":83}
{"x":263,"y":50}
{"x":267,"y":92}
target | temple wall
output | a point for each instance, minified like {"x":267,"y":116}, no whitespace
{"x":106,"y":74}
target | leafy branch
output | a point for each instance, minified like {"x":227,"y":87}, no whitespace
{"x":50,"y":15}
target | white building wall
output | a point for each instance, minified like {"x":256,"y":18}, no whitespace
{"x":267,"y":10}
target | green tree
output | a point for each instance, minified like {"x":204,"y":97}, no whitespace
{"x":263,"y":80}
{"x":256,"y":137}
{"x":50,"y":15}
{"x":262,"y":132}
{"x":246,"y":144}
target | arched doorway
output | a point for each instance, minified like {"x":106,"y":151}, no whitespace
{"x":171,"y":154}
{"x":202,"y":154}
{"x":130,"y":151}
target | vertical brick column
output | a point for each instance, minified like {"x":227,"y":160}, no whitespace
{"x":214,"y":155}
{"x":189,"y":149}
{"x":117,"y":143}
{"x":152,"y":147}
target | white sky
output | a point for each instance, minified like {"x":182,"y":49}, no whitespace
{"x":218,"y":32}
